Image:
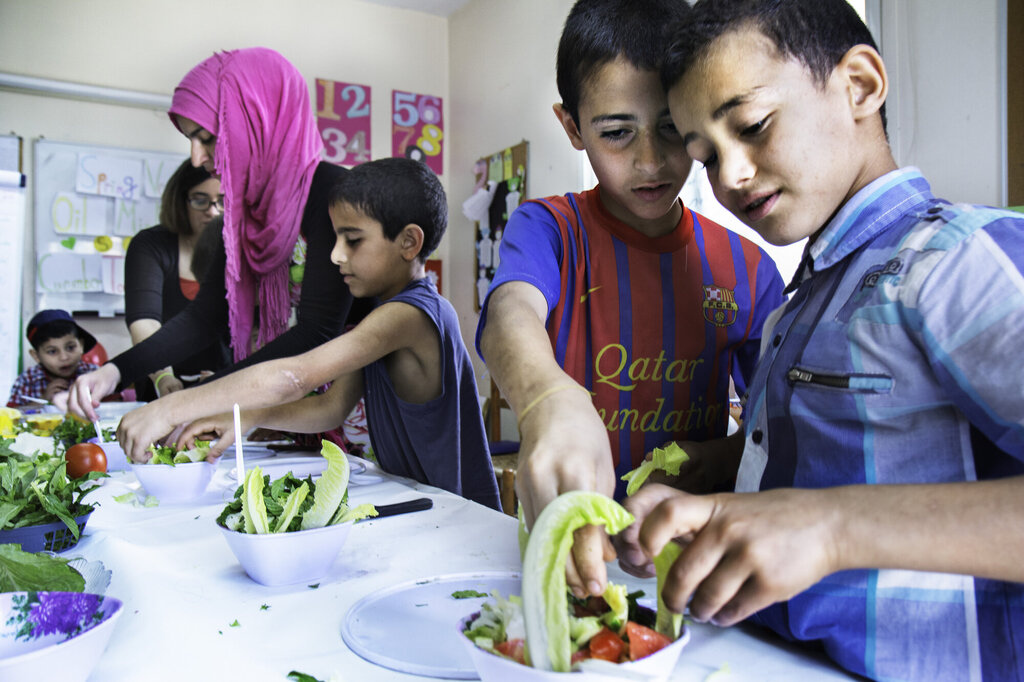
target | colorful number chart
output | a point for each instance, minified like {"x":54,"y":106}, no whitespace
{"x":417,"y":128}
{"x":343,"y":118}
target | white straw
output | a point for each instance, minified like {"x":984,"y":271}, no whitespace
{"x":95,"y":424}
{"x":239,"y":463}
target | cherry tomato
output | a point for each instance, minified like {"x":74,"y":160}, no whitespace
{"x":85,"y":457}
{"x":644,"y":641}
{"x":514,"y":649}
{"x":607,"y":646}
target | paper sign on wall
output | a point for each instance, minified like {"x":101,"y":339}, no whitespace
{"x":109,"y":176}
{"x":155,"y":174}
{"x":73,"y":213}
{"x":113,"y":275}
{"x":417,"y":128}
{"x":343,"y":119}
{"x":69,"y":272}
{"x":132,"y":216}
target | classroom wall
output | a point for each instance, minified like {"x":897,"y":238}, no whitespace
{"x":149,"y":46}
{"x":502,"y":57}
{"x":947,"y":97}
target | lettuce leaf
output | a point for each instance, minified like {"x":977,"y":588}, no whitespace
{"x":668,"y":622}
{"x":330,"y":489}
{"x":545,"y":604}
{"x":291,"y":507}
{"x":253,"y":507}
{"x":667,"y":459}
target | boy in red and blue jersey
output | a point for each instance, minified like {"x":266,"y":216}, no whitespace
{"x":620,"y":290}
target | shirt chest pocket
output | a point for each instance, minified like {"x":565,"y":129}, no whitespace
{"x":847,"y":382}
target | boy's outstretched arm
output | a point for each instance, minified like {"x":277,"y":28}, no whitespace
{"x":743,"y":552}
{"x":311,"y":414}
{"x":274,"y":382}
{"x":564,"y":445}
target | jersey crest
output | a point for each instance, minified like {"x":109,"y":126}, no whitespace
{"x":720,"y":306}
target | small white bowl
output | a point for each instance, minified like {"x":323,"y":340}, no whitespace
{"x":116,"y":459}
{"x":173,"y":484}
{"x":62,"y":634}
{"x":493,"y":668}
{"x":288,"y":558}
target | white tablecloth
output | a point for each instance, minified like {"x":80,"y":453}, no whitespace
{"x":183,"y":589}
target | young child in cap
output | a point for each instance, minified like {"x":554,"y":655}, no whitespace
{"x":58,"y":344}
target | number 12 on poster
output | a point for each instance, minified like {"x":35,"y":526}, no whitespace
{"x":417,"y":128}
{"x":343,"y":118}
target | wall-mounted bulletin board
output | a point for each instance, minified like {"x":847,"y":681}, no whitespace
{"x":89,"y":201}
{"x":502,"y":176}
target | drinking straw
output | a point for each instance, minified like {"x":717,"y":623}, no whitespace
{"x":239,"y":463}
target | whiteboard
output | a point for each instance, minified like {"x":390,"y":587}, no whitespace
{"x":12,"y":234}
{"x":89,"y":201}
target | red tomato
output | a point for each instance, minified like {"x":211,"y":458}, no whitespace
{"x":514,"y":649}
{"x":85,"y":457}
{"x":607,"y":646}
{"x":644,"y":641}
{"x":581,"y":655}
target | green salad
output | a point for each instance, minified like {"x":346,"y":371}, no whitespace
{"x":35,"y":489}
{"x":549,"y":629}
{"x":167,"y":454}
{"x":290,"y":504}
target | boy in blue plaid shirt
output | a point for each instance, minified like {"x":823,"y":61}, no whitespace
{"x":883,"y":453}
{"x":58,"y":344}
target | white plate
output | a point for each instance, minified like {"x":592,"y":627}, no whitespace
{"x":300,"y":466}
{"x":409,"y":627}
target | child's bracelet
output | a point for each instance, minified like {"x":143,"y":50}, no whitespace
{"x":544,"y":395}
{"x":161,"y":375}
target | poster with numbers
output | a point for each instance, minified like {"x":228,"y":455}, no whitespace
{"x":417,"y":128}
{"x":343,"y":118}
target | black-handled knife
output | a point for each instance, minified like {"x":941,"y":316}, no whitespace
{"x":419,"y":504}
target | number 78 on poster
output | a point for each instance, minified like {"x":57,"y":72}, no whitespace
{"x":417,"y":128}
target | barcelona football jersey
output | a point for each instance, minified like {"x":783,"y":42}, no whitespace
{"x":653,"y":327}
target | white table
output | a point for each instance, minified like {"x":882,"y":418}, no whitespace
{"x":183,"y":588}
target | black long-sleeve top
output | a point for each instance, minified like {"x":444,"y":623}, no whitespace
{"x":325,"y":302}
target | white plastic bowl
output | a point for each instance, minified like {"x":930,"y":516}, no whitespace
{"x":494,"y":668}
{"x":116,"y":459}
{"x":67,"y":634}
{"x":173,"y":484}
{"x":288,"y":558}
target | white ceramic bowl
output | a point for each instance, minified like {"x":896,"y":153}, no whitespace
{"x":288,"y":558}
{"x":116,"y":459}
{"x":494,"y":668}
{"x":54,"y":635}
{"x":173,"y":484}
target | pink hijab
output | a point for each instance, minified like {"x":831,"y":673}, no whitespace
{"x":257,"y":106}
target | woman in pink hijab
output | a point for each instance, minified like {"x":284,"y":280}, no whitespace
{"x":248,"y":117}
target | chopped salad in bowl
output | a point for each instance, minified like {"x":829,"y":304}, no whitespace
{"x":547,"y":632}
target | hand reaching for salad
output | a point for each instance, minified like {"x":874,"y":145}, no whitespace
{"x":554,"y":459}
{"x":741,"y":552}
{"x":143,"y":427}
{"x":219,"y":428}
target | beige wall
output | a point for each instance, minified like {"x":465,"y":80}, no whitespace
{"x":502,"y":88}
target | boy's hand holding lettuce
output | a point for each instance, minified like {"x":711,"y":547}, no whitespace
{"x":558,"y":631}
{"x":290,"y":504}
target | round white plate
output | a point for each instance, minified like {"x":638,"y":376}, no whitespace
{"x":412,"y":627}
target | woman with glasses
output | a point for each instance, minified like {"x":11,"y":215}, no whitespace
{"x":249,"y":121}
{"x":162,"y":271}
